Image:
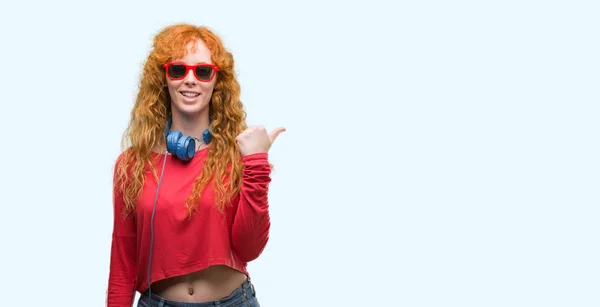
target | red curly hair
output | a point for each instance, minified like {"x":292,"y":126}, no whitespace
{"x":153,"y":106}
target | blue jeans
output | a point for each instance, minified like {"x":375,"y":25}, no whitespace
{"x":245,"y":295}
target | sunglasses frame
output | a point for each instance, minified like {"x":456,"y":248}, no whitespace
{"x":215,"y":68}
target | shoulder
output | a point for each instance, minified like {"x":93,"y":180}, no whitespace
{"x":122,"y":157}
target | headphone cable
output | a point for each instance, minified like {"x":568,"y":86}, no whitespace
{"x":152,"y":225}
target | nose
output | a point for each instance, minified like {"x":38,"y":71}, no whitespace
{"x":190,"y":78}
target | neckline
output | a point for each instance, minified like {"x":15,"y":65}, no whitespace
{"x":199,"y":152}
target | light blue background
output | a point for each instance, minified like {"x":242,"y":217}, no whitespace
{"x":438,"y":153}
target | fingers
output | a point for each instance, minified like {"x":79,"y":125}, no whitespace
{"x":273,"y":135}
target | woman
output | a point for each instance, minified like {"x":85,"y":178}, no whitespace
{"x":190,"y":191}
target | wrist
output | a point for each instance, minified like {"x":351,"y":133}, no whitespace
{"x":256,"y":156}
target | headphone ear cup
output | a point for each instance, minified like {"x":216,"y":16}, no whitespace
{"x":186,"y":148}
{"x":206,"y":136}
{"x":172,"y":140}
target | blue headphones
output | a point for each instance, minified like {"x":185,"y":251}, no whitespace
{"x":183,"y":147}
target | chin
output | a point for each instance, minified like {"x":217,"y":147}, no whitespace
{"x":191,"y":109}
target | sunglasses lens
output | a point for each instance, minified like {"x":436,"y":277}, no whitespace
{"x":176,"y":71}
{"x":204,"y":72}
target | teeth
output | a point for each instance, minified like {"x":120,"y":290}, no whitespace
{"x":190,"y":94}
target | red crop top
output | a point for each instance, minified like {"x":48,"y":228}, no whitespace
{"x":182,"y":245}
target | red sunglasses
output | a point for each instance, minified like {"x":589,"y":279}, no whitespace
{"x":203,"y":72}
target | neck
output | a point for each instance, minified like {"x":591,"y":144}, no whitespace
{"x":191,"y":124}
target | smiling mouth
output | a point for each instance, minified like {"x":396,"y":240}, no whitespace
{"x":190,"y":94}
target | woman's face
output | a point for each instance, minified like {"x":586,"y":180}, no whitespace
{"x":189,"y":95}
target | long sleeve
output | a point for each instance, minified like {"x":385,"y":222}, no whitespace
{"x":121,"y":282}
{"x":251,"y":224}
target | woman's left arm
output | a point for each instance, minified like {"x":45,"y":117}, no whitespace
{"x":251,"y":223}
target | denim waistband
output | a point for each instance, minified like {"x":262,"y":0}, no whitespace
{"x":242,"y":293}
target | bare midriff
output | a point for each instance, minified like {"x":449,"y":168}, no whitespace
{"x":211,"y":284}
